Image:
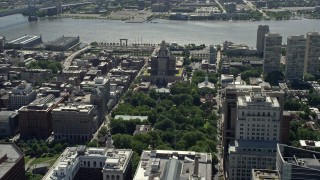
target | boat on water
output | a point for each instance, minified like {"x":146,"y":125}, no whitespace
{"x":32,"y":18}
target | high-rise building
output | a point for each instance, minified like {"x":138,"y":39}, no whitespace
{"x":162,"y":61}
{"x":74,"y":122}
{"x":35,"y":119}
{"x":21,"y":95}
{"x":83,"y":163}
{"x":272,"y":52}
{"x":212,"y":55}
{"x":312,"y":53}
{"x":167,"y":164}
{"x":261,"y":32}
{"x":257,"y":132}
{"x":296,"y":46}
{"x":296,"y":163}
{"x":231,"y":125}
{"x":11,"y":162}
{"x":2,"y":44}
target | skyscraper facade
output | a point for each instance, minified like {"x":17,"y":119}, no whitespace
{"x":257,"y":132}
{"x":312,"y":53}
{"x":272,"y":52}
{"x":261,"y":32}
{"x":295,"y":57}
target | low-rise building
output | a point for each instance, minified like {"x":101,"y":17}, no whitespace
{"x":21,"y":95}
{"x":167,"y":164}
{"x":83,"y":163}
{"x":62,"y":43}
{"x":25,"y":41}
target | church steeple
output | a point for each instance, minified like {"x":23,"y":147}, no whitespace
{"x":109,"y":142}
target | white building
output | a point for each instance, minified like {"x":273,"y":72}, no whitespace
{"x":21,"y":95}
{"x":91,"y":163}
{"x":295,"y":57}
{"x":312,"y":53}
{"x":272,"y":52}
{"x":257,"y":132}
{"x":167,"y":164}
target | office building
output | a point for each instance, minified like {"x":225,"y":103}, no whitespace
{"x":257,"y":132}
{"x":229,"y":105}
{"x":168,"y":164}
{"x":9,"y":123}
{"x":162,"y":61}
{"x":296,"y":163}
{"x":21,"y":95}
{"x":229,"y":124}
{"x":11,"y":162}
{"x":83,"y":163}
{"x":212,"y":55}
{"x":312,"y":53}
{"x":295,"y":57}
{"x":2,"y":39}
{"x":272,"y":52}
{"x":35,"y":119}
{"x":25,"y":41}
{"x":261,"y":32}
{"x":76,"y":123}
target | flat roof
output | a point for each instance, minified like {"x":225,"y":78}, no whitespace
{"x":24,"y":39}
{"x":258,"y":174}
{"x":160,"y":163}
{"x":61,"y":41}
{"x":126,"y":117}
{"x":13,"y":155}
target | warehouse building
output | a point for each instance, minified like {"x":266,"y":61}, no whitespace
{"x":62,"y":43}
{"x":25,"y":41}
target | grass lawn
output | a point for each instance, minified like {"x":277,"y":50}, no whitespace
{"x":47,"y":159}
{"x":146,"y":73}
{"x":26,"y":159}
{"x":179,"y":72}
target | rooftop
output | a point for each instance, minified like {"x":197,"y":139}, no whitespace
{"x":63,"y":168}
{"x":24,"y":39}
{"x":309,"y":143}
{"x":61,"y":41}
{"x":299,"y":157}
{"x":126,"y":117}
{"x":254,"y":98}
{"x":74,"y":108}
{"x":264,"y":174}
{"x":10,"y":154}
{"x":167,"y":164}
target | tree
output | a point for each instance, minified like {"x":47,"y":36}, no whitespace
{"x":309,"y":77}
{"x":93,"y":143}
{"x":274,"y":77}
{"x":122,"y":141}
{"x":58,"y":147}
{"x":117,"y":126}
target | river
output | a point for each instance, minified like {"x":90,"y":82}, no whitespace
{"x":182,"y":32}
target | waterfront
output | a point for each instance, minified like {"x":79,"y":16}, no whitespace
{"x":182,"y":32}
